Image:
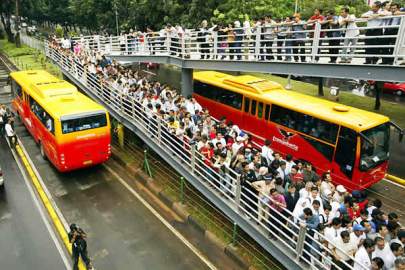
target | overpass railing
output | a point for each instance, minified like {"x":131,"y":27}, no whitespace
{"x":313,"y":43}
{"x":294,"y":238}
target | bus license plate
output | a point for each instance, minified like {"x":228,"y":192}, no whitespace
{"x":88,"y":162}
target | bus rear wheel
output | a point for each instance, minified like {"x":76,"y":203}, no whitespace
{"x":41,"y":149}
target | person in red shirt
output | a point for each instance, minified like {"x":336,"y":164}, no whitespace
{"x":317,"y":18}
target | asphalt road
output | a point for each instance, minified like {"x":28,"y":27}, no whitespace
{"x":122,"y":233}
{"x":25,"y":242}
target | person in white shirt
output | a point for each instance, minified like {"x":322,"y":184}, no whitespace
{"x":344,"y":247}
{"x":10,"y":132}
{"x":267,"y":152}
{"x":400,"y":263}
{"x":289,"y":163}
{"x":2,"y":119}
{"x":383,"y":250}
{"x":219,"y":139}
{"x":326,"y":185}
{"x":281,"y":171}
{"x":374,"y":29}
{"x":237,"y":145}
{"x":358,"y":234}
{"x":363,"y":255}
{"x":348,"y":21}
{"x":333,"y":232}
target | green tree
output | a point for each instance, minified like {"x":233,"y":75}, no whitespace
{"x":6,"y":9}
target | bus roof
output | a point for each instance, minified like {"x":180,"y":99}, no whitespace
{"x":274,"y":93}
{"x":56,"y":96}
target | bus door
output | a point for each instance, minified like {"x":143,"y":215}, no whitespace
{"x":250,"y":120}
{"x":18,"y":97}
{"x":26,"y":107}
{"x":345,"y":157}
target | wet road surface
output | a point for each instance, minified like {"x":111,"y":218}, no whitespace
{"x":25,"y":242}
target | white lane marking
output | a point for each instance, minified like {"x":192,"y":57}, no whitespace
{"x":48,"y":194}
{"x":393,"y":183}
{"x":64,"y":258}
{"x":158,"y":216}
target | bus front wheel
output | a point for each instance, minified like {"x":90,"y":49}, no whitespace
{"x":41,"y":149}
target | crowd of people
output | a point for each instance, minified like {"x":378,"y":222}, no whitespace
{"x":283,"y":39}
{"x":274,"y":188}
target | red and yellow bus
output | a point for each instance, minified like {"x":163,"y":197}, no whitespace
{"x":352,"y":144}
{"x":71,"y":130}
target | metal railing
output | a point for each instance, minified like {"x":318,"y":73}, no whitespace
{"x":276,"y":42}
{"x":33,"y":42}
{"x":302,"y":244}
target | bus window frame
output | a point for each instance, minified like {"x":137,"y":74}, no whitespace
{"x":30,"y":99}
{"x":253,"y":108}
{"x":267,"y":113}
{"x":246,"y":101}
{"x":260,"y":104}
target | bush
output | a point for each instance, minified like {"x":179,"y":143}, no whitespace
{"x":59,"y":32}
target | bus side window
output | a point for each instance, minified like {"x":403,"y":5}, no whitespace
{"x":346,"y":150}
{"x":205,"y":90}
{"x":253,"y":107}
{"x":267,"y":112}
{"x":260,"y":110}
{"x":283,"y":116}
{"x":16,"y":89}
{"x":247,"y":103}
{"x":229,"y":98}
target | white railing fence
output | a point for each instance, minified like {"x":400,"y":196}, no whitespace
{"x":230,"y":186}
{"x":292,"y":42}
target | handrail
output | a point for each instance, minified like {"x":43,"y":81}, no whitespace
{"x":258,"y":44}
{"x":236,"y":193}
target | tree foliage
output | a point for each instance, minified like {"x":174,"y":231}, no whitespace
{"x":100,"y":14}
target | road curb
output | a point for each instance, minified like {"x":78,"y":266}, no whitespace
{"x":228,"y":249}
{"x":395,"y":179}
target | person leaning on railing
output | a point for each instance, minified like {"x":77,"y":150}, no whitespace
{"x":331,"y":23}
{"x":267,"y":38}
{"x":299,"y":36}
{"x":373,"y":32}
{"x":351,"y":33}
{"x":392,"y":21}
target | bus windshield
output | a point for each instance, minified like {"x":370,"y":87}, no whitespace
{"x":82,"y":122}
{"x":376,"y":149}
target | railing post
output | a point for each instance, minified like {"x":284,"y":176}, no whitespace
{"x":192,"y":150}
{"x":238,"y":191}
{"x":159,"y":122}
{"x":111,"y":43}
{"x":234,"y":233}
{"x":183,"y":46}
{"x":146,"y":166}
{"x":301,"y":240}
{"x":126,"y":44}
{"x":182,"y":184}
{"x":315,"y":41}
{"x":257,"y":42}
{"x":400,"y":41}
{"x":215,"y":52}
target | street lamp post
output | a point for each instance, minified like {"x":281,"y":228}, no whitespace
{"x":17,"y":24}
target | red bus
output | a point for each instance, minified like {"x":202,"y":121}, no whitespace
{"x":72,"y":131}
{"x":352,"y":144}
